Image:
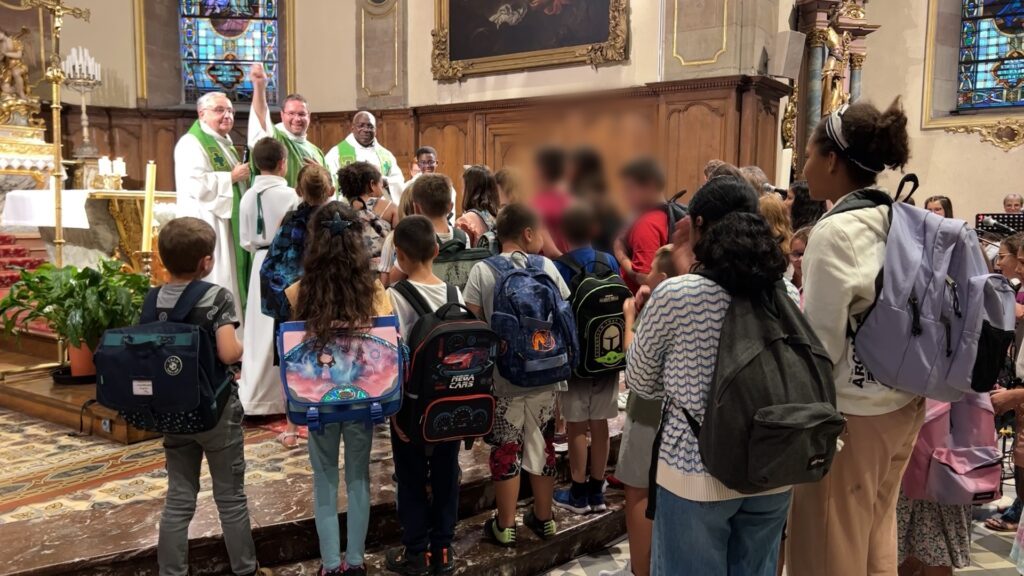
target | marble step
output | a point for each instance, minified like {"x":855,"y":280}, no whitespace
{"x":477,"y":556}
{"x":122,"y":540}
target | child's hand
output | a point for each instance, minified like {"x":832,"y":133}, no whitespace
{"x":642,"y":296}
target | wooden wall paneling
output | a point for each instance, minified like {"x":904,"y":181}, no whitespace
{"x":161,"y":136}
{"x":696,"y":129}
{"x":127,"y":141}
{"x":449,"y":134}
{"x":396,"y":129}
{"x":331,"y":129}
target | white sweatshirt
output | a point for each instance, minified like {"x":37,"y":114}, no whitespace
{"x":844,"y":255}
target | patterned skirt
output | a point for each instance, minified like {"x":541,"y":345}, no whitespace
{"x":936,"y":534}
{"x":1017,"y":553}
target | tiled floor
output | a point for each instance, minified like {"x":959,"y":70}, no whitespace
{"x":989,"y":557}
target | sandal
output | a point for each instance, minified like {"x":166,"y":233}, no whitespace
{"x":1000,"y":525}
{"x":289,"y":440}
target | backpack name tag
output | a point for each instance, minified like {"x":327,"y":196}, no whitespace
{"x":142,"y":387}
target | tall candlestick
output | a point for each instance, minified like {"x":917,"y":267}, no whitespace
{"x":147,"y":212}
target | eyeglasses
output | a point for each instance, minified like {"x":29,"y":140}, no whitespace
{"x":427,"y":162}
{"x":221,"y":111}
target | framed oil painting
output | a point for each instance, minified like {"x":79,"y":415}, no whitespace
{"x":473,"y":37}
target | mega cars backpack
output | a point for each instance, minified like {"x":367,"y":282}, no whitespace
{"x":163,"y":375}
{"x":356,"y":375}
{"x":955,"y":459}
{"x":941,"y":324}
{"x":449,"y":389}
{"x":771,"y":417}
{"x":534,"y":322}
{"x":596,"y":301}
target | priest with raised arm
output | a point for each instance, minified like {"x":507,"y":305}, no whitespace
{"x":290,"y":131}
{"x":210,"y":180}
{"x":361,"y":146}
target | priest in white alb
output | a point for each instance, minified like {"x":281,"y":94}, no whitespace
{"x":210,"y":180}
{"x":361,"y":146}
{"x":290,"y":131}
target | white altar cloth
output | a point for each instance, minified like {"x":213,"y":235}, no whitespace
{"x":35,"y":208}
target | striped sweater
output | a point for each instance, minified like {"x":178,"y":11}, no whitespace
{"x":673,"y":358}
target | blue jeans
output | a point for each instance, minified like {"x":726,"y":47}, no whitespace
{"x":323,"y":455}
{"x":738,"y":537}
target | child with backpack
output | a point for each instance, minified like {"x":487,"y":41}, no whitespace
{"x":262,"y":210}
{"x":643,"y":185}
{"x":431,"y":197}
{"x":592,"y":397}
{"x":283,"y":264}
{"x":479,"y":204}
{"x":643,"y":417}
{"x":845,"y":523}
{"x":186,"y":249}
{"x":363,"y":186}
{"x":529,"y":369}
{"x":428,"y":524}
{"x":702,"y":526}
{"x":339,"y":289}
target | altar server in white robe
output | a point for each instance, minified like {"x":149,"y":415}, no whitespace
{"x":262,"y":210}
{"x":210,"y":178}
{"x":361,"y":146}
{"x":290,"y":131}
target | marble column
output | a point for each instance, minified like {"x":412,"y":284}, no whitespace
{"x":815,"y":61}
{"x":856,"y":73}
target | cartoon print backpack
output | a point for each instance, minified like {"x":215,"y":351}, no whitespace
{"x":597,"y":299}
{"x":163,"y":375}
{"x":356,"y":376}
{"x":449,"y":388}
{"x":535,"y":324}
{"x":941,"y":323}
{"x":955,"y":459}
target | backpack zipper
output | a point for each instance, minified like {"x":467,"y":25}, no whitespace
{"x":915,"y":311}
{"x":956,"y":297}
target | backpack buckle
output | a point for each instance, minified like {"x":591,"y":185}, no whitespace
{"x":313,"y":419}
{"x":376,"y":413}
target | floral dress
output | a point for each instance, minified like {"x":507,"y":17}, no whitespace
{"x":936,"y":534}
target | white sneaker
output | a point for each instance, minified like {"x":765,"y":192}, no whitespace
{"x":623,"y":399}
{"x":626,"y":570}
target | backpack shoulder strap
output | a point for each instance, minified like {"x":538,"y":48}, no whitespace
{"x":149,"y":306}
{"x":193,"y":293}
{"x":460,"y":235}
{"x":453,"y":294}
{"x":868,"y":198}
{"x":499,"y":263}
{"x":571,"y":263}
{"x":413,"y":297}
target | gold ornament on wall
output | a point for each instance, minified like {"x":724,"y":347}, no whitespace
{"x":1006,"y":134}
{"x":851,"y":9}
{"x":789,"y":119}
{"x":507,"y":40}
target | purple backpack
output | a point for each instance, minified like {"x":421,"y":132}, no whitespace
{"x":941,"y":323}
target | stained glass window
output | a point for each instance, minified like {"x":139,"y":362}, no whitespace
{"x":991,"y":73}
{"x":220,"y":39}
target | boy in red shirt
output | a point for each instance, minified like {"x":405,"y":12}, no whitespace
{"x":551,"y":199}
{"x":643,"y":185}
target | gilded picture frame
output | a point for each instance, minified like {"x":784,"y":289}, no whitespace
{"x":611,"y":50}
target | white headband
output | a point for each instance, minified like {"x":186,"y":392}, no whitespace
{"x":834,"y":131}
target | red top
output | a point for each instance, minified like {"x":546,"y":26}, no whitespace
{"x":550,"y":203}
{"x":649,"y":232}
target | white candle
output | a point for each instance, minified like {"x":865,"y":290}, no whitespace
{"x":119,"y":167}
{"x":105,"y":166}
{"x":147,"y":213}
{"x":99,"y":69}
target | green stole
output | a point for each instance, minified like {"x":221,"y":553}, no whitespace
{"x":297,"y":154}
{"x":347,"y":155}
{"x":243,"y":259}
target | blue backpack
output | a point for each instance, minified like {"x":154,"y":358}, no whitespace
{"x":355,"y":376}
{"x":283,"y":264}
{"x":163,"y":375}
{"x":534,"y":322}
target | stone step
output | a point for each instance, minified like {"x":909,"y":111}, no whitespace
{"x":477,"y":556}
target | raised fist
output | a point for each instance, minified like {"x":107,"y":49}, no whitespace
{"x":258,"y":75}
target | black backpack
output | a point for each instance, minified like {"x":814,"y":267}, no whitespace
{"x":596,"y":301}
{"x":449,"y":389}
{"x":164,"y":375}
{"x":455,"y":259}
{"x":771,"y":418}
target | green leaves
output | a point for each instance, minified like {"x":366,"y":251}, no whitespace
{"x":78,"y":304}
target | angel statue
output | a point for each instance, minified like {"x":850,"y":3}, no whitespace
{"x":13,"y":71}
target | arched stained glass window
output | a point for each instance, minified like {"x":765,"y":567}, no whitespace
{"x":220,"y":39}
{"x":991,"y":73}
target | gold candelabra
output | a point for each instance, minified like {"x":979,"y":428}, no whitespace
{"x":83,"y":75}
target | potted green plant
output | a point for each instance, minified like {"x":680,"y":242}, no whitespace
{"x":77,"y":304}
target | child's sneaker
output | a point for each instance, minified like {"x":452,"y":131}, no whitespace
{"x":443,"y":560}
{"x":401,"y":561}
{"x":502,"y":536}
{"x":544,"y":529}
{"x":347,"y":570}
{"x":565,"y":500}
{"x":339,"y":571}
{"x":595,"y":495}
